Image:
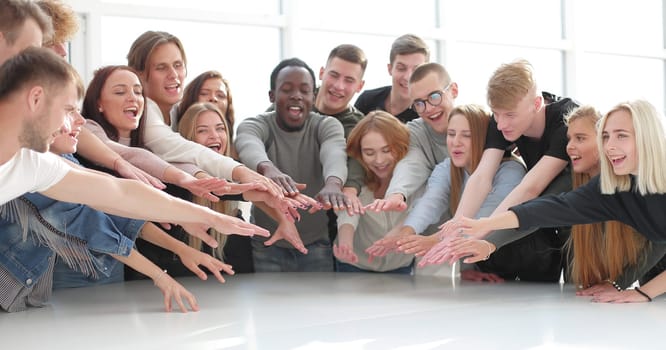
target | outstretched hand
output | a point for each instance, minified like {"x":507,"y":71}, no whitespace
{"x":126,"y":170}
{"x":174,"y":290}
{"x":288,"y":232}
{"x":417,"y":244}
{"x":224,"y":224}
{"x":393,"y":202}
{"x":283,"y":180}
{"x":331,"y":196}
{"x":388,"y":244}
{"x":354,"y":205}
{"x":192,"y":259}
{"x":205,"y":188}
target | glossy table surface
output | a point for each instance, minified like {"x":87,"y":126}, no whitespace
{"x":335,"y":311}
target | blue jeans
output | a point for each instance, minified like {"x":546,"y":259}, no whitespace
{"x":277,"y":259}
{"x":344,"y":267}
{"x":65,"y":277}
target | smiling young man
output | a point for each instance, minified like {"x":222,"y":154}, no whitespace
{"x":292,"y":144}
{"x":341,"y":79}
{"x":522,"y":117}
{"x":407,"y":52}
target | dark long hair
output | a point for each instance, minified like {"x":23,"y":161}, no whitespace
{"x":91,"y":111}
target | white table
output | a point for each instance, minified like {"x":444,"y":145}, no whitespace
{"x":335,"y":311}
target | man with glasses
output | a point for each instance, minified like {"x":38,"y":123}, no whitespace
{"x":433,"y":94}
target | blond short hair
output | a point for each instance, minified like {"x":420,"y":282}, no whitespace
{"x":510,"y":83}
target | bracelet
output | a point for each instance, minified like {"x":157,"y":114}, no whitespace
{"x":159,"y":278}
{"x":643,"y":294}
{"x":490,"y":249}
{"x":615,"y":285}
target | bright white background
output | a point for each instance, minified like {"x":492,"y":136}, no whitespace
{"x":598,"y":51}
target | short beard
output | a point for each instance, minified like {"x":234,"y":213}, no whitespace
{"x":30,"y":138}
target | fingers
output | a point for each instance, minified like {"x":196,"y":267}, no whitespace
{"x":211,"y":197}
{"x":197,"y":271}
{"x":344,"y":253}
{"x":236,"y":226}
{"x":167,"y":302}
{"x":180,"y":303}
{"x":194,"y":306}
{"x":287,"y":184}
{"x":354,"y":205}
{"x":201,"y":231}
{"x":297,"y":243}
{"x":272,"y":240}
{"x":153,"y":181}
{"x":234,"y":188}
{"x":217,"y":274}
{"x":374,"y":205}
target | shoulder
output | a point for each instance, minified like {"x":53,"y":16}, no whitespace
{"x":29,"y":159}
{"x":374,"y":93}
{"x":319,"y":121}
{"x":560,"y":108}
{"x":352,"y":114}
{"x":416,"y":125}
{"x":262,"y":119}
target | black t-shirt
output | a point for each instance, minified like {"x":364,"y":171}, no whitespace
{"x":372,"y":100}
{"x":552,"y":143}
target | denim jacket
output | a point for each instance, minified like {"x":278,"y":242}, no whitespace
{"x":33,"y":227}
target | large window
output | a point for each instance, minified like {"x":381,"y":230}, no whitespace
{"x":599,"y":52}
{"x":208,"y":46}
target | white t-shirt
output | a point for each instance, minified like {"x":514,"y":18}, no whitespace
{"x":30,"y":171}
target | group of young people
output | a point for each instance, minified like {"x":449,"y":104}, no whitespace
{"x":401,"y":180}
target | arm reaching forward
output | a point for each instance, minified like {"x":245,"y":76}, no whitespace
{"x":133,"y":199}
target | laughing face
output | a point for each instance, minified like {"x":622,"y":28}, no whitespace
{"x":121,"y":101}
{"x":377,"y":155}
{"x":211,"y":132}
{"x":582,"y":146}
{"x":619,"y":142}
{"x":293,"y":97}
{"x":435,"y":116}
{"x":401,"y":70}
{"x":165,"y":75}
{"x":340,"y":80}
{"x":67,"y":142}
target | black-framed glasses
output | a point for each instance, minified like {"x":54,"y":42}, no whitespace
{"x":434,"y":99}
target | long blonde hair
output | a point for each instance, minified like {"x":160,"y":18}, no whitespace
{"x":187,"y":127}
{"x":650,"y":147}
{"x":600,"y":251}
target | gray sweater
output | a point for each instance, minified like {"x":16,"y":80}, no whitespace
{"x":310,"y":156}
{"x":426,"y":149}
